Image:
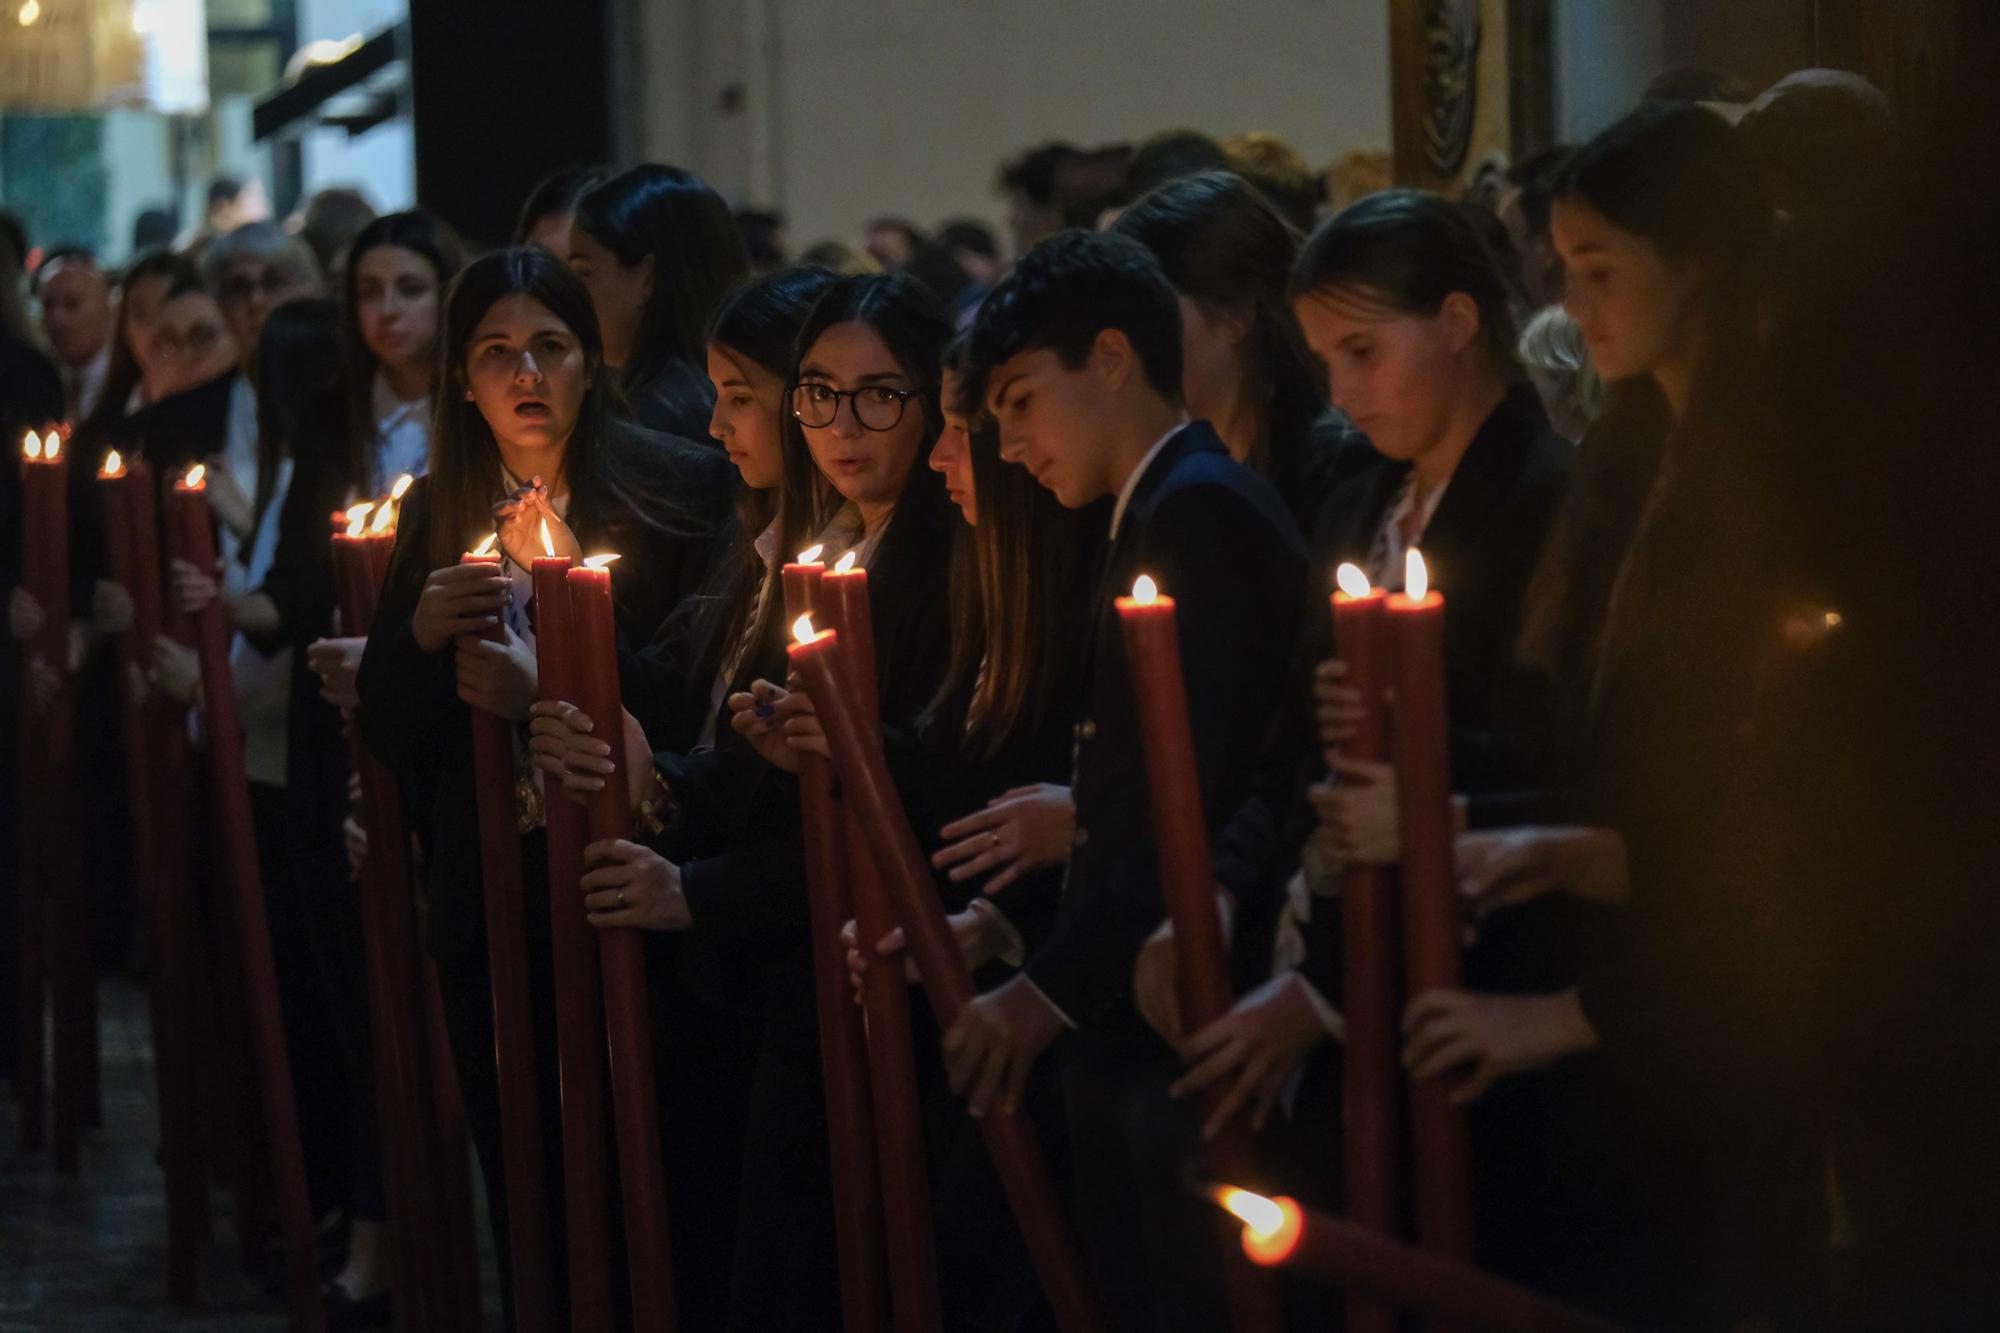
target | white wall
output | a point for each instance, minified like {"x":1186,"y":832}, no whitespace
{"x":909,"y":106}
{"x":380,"y":162}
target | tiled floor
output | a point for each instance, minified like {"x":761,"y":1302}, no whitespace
{"x":85,"y":1253}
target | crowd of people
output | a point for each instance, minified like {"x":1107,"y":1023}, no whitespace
{"x":1721,"y":1033}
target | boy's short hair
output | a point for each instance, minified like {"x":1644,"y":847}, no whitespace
{"x":1067,"y":290}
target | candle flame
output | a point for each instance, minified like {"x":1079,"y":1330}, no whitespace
{"x":1831,"y":620}
{"x":803,"y":631}
{"x":599,"y":561}
{"x":385,"y":519}
{"x":1416,"y":578}
{"x":485,"y":546}
{"x":1144,"y":591}
{"x":1351,"y":580}
{"x":114,"y":464}
{"x":402,"y":486}
{"x":357,"y":518}
{"x":52,"y":447}
{"x":810,"y":554}
{"x":31,"y":445}
{"x":845,"y":563}
{"x":1262,"y":1217}
{"x":194,"y":476}
{"x":548,"y":543}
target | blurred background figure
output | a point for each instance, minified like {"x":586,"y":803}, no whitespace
{"x":329,"y":222}
{"x":550,"y":208}
{"x":764,"y":239}
{"x":75,"y":296}
{"x":1028,"y":185}
{"x":1280,"y":175}
{"x":891,"y":241}
{"x":1558,"y":363}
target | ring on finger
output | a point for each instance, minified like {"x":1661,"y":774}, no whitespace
{"x":993,"y":840}
{"x":621,"y":897}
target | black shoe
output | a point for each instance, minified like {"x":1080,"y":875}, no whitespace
{"x":345,"y":1312}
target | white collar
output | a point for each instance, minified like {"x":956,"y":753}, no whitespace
{"x":388,"y":409}
{"x":1132,"y":482}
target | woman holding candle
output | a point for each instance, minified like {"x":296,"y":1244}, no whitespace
{"x":658,"y":249}
{"x":531,"y":430}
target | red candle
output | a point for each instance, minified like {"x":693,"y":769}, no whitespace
{"x":623,"y":963}
{"x":1280,"y":1233}
{"x":48,"y":874}
{"x":1372,"y":1083}
{"x":135,"y":567}
{"x":850,"y":1111}
{"x":1441,"y":1158}
{"x":513,"y":1013}
{"x":1187,"y":883}
{"x":194,"y":542}
{"x":878,"y":815}
{"x":414,"y":1179}
{"x":579,"y":1001}
{"x":885,"y":997}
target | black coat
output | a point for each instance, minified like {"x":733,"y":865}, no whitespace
{"x":1218,"y":539}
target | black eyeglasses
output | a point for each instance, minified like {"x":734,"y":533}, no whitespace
{"x":877,"y":407}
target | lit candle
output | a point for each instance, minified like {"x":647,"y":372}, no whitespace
{"x":45,"y":542}
{"x":194,"y":541}
{"x":878,"y":813}
{"x":513,"y":1011}
{"x":415,"y":1177}
{"x":623,"y":964}
{"x":842,"y":597}
{"x":1440,"y":1156}
{"x":1187,"y":881}
{"x":844,"y":1071}
{"x":1372,"y":1084}
{"x":573,"y":955}
{"x":1278,"y":1232}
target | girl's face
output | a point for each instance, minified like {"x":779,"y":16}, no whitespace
{"x":1637,"y":308}
{"x":527,"y":373}
{"x":1395,"y":373}
{"x":143,"y":299}
{"x":952,"y":455}
{"x":396,"y":302}
{"x":191,"y":345}
{"x":619,"y":292}
{"x":849,"y":367}
{"x":1211,"y":358}
{"x":746,"y":420}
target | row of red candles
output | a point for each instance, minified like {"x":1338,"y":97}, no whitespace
{"x":1402,"y":632}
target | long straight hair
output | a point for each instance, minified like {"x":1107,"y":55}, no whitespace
{"x":122,"y":374}
{"x":426,"y":234}
{"x":1013,"y":576}
{"x":610,"y":464}
{"x":758,"y":322}
{"x":1222,"y":244}
{"x":697,"y":250}
{"x":295,"y":369}
{"x":915,"y":326}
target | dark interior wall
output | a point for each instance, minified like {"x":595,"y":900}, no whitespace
{"x":1760,"y":41}
{"x":504,"y":91}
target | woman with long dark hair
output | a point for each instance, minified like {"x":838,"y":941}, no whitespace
{"x":1246,"y":368}
{"x":658,"y":249}
{"x":530,"y":429}
{"x":397,"y":271}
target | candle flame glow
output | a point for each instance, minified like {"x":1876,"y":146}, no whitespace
{"x":385,"y":519}
{"x":194,"y":476}
{"x":1144,"y":591}
{"x":485,"y":546}
{"x":599,"y":561}
{"x":548,"y":543}
{"x":1262,"y":1217}
{"x":1416,"y":577}
{"x":1351,"y":580}
{"x":845,"y":563}
{"x":114,"y":464}
{"x":803,"y":631}
{"x":52,"y":447}
{"x":357,"y":517}
{"x":810,"y":554}
{"x":402,"y":486}
{"x":31,"y":445}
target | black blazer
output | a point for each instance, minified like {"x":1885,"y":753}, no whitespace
{"x":678,"y":400}
{"x":411,"y":715}
{"x":1220,"y":541}
{"x":1482,"y":546}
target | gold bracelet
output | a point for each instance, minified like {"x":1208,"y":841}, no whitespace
{"x":531,"y":813}
{"x":656,"y":808}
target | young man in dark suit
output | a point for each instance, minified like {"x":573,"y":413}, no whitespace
{"x":1080,"y":352}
